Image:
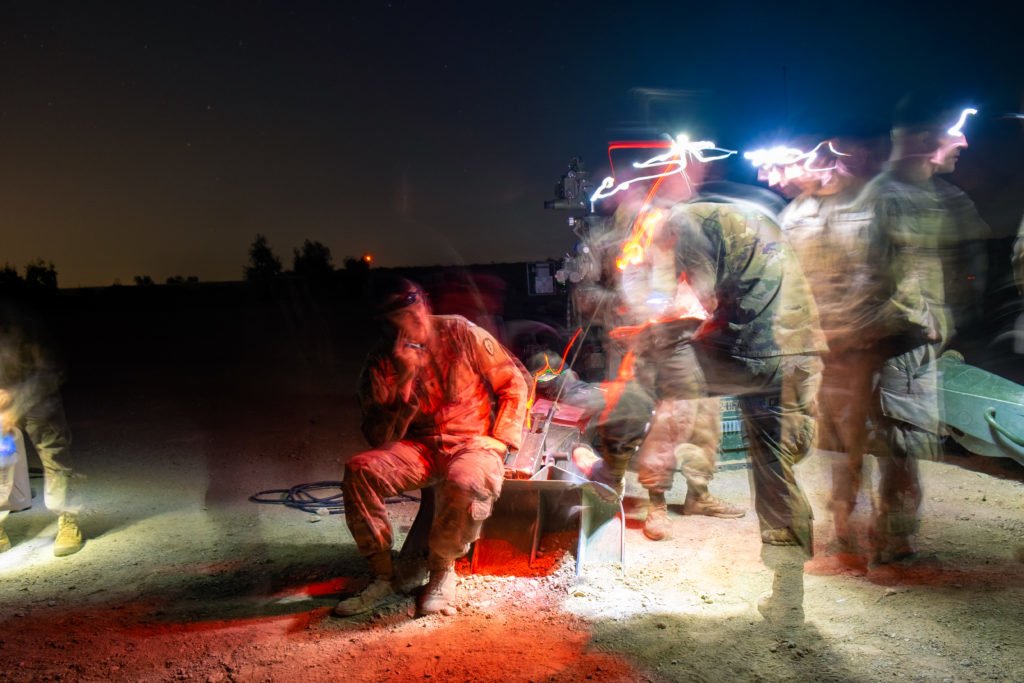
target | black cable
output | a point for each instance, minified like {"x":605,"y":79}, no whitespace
{"x":300,"y":498}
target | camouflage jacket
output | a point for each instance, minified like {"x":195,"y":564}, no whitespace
{"x":913,"y":232}
{"x":748,"y":280}
{"x":833,"y":256}
{"x":473,"y":387}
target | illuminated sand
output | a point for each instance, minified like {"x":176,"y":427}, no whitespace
{"x":183,"y":579}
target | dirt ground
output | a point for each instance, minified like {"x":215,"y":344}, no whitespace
{"x":183,"y":579}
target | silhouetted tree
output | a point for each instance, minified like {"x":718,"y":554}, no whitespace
{"x":9,"y":279}
{"x":41,"y":275}
{"x":357,"y":265}
{"x":313,"y":262}
{"x":178,"y":280}
{"x":143,"y":281}
{"x":263,"y":263}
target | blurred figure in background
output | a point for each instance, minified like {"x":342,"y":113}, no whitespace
{"x":916,"y":230}
{"x":684,"y":432}
{"x":30,"y":400}
{"x":823,"y":181}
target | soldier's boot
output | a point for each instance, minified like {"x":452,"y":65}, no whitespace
{"x":892,"y":538}
{"x":377,"y":593}
{"x":841,"y":520}
{"x":439,"y":595}
{"x":700,"y":502}
{"x":783,"y":607}
{"x":657,"y":526}
{"x":69,"y":535}
{"x":5,"y":541}
{"x":409,"y":575}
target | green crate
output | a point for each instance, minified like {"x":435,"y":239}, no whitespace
{"x":733,"y":445}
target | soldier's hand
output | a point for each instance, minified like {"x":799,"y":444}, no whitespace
{"x":409,"y":358}
{"x":491,"y":444}
{"x":7,"y":423}
{"x":6,"y":400}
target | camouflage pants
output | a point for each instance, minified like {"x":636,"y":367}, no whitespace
{"x":846,"y":396}
{"x":906,"y":425}
{"x":468,"y":477}
{"x":777,"y":397}
{"x":46,"y":427}
{"x":685,"y":435}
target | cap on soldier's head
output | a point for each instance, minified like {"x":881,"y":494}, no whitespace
{"x":393,"y":293}
{"x":924,"y":109}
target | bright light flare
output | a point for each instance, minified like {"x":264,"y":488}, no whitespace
{"x":675,"y":161}
{"x":784,"y":164}
{"x":957,"y":130}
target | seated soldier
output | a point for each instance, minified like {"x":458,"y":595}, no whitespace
{"x":442,"y":404}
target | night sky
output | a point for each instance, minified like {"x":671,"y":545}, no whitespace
{"x":159,"y":138}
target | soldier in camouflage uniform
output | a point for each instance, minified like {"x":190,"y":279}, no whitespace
{"x":913,"y":222}
{"x":442,"y":404}
{"x":831,"y":252}
{"x":761,"y":343}
{"x":30,"y":400}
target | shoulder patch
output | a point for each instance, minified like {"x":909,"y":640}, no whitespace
{"x":489,"y":346}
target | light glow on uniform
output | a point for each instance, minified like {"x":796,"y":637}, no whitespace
{"x":675,"y":160}
{"x":639,"y":239}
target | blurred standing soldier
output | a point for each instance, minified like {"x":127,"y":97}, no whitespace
{"x":760,"y":341}
{"x":684,"y":433}
{"x":832,"y":255}
{"x":442,"y":404}
{"x":30,"y":400}
{"x":916,"y":223}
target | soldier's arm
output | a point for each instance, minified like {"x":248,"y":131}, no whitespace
{"x":385,"y":416}
{"x":904,"y":309}
{"x":505,"y":377}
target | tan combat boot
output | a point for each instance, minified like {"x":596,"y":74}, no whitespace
{"x":657,"y":526}
{"x":783,"y":607}
{"x":703,"y":503}
{"x":439,"y":595}
{"x":379,"y":592}
{"x":69,"y":536}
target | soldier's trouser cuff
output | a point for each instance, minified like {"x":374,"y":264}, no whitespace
{"x":58,"y":491}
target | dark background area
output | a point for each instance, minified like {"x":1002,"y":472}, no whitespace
{"x":157,"y":138}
